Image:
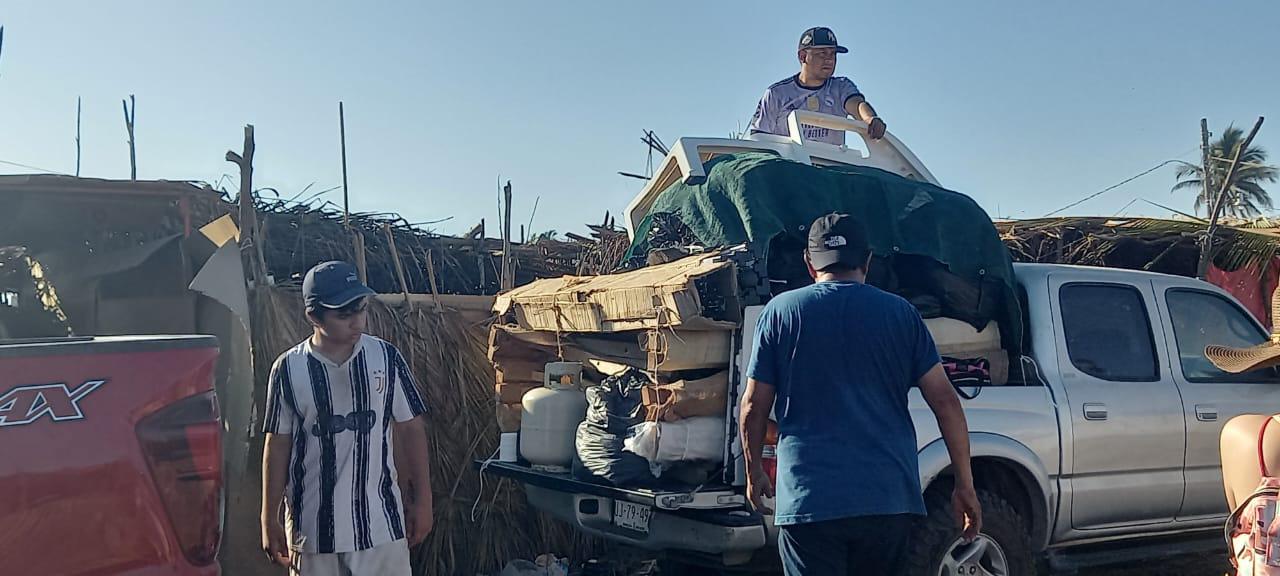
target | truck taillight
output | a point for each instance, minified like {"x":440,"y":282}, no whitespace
{"x":183,"y":447}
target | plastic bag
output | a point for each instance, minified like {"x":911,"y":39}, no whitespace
{"x":615,"y":404}
{"x":698,"y":439}
{"x":600,"y":456}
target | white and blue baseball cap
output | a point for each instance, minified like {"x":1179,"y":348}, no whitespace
{"x":332,"y":285}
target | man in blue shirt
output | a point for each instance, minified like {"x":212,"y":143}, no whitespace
{"x":834,"y":362}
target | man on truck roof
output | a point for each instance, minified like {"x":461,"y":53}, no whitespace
{"x":815,"y":89}
{"x":834,"y":361}
{"x":333,"y":404}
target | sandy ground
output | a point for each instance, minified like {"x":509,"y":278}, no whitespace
{"x":1200,"y":565}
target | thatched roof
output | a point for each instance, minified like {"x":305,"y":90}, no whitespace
{"x":299,"y":236}
{"x":1161,"y":245}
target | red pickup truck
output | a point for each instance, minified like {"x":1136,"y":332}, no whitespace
{"x":110,"y":456}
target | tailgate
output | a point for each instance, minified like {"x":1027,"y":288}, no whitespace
{"x":707,"y":497}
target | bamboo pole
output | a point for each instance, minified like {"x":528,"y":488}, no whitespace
{"x":395,"y":259}
{"x":357,"y":237}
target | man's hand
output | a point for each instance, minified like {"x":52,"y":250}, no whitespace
{"x":419,"y":519}
{"x":968,"y":513}
{"x":759,"y":487}
{"x":274,"y":543}
{"x":876,"y":128}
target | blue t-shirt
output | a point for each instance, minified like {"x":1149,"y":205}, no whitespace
{"x":843,"y":356}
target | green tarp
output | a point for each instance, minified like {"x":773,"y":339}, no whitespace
{"x":751,"y":197}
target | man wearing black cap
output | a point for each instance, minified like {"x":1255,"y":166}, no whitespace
{"x":816,"y":90}
{"x":333,"y":404}
{"x":839,"y":358}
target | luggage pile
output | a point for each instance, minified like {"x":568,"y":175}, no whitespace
{"x":655,"y":347}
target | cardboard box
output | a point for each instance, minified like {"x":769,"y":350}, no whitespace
{"x":652,"y":297}
{"x":687,"y":398}
{"x":513,"y":392}
{"x":674,"y":350}
{"x":508,"y":416}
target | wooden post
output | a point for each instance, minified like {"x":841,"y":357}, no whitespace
{"x":482,"y":258}
{"x":508,"y":262}
{"x":77,"y":136}
{"x":395,"y":259}
{"x":357,"y":244}
{"x":431,"y":278}
{"x":357,"y":237}
{"x":1206,"y":246}
{"x":346,"y":198}
{"x":130,"y":113}
{"x":1204,"y":161}
{"x":249,"y":241}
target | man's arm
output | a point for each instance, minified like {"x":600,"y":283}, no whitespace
{"x":275,"y":469}
{"x":858,"y":107}
{"x":414,"y":461}
{"x":945,"y":404}
{"x":757,"y":404}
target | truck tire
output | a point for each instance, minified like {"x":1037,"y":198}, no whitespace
{"x":1002,"y":549}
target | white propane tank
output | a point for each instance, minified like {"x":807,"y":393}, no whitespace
{"x":550,"y":417}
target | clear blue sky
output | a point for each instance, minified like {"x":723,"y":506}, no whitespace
{"x":1025,"y":106}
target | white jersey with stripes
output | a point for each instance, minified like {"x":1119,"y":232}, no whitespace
{"x":783,"y":97}
{"x":342,"y":494}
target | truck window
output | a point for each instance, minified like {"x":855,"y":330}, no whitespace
{"x":1108,"y":332}
{"x":1203,"y":318}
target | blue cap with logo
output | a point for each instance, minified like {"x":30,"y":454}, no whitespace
{"x":821,"y":38}
{"x":333,"y":285}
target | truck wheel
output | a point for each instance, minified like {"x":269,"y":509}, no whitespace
{"x":1002,"y":549}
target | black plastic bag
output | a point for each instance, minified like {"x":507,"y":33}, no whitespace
{"x":614,"y":405}
{"x":600,"y":457}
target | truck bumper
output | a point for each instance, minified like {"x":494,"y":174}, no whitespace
{"x":734,"y":536}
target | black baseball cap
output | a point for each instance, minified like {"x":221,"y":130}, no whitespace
{"x":821,"y":38}
{"x":838,"y":238}
{"x":332,"y":285}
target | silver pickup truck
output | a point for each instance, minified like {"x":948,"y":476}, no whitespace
{"x":1104,"y":447}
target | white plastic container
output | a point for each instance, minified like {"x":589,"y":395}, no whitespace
{"x":550,"y":417}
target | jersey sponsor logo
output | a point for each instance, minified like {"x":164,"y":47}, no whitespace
{"x":28,"y":403}
{"x":360,"y":421}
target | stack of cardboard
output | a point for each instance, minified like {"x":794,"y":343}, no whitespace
{"x":665,"y":319}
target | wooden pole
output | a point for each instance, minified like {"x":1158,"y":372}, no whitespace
{"x":249,"y":241}
{"x":395,"y":259}
{"x":346,"y":198}
{"x":357,"y":237}
{"x":1204,"y":161}
{"x":508,"y":263}
{"x":77,"y":136}
{"x":482,"y":258}
{"x":130,"y":113}
{"x":431,"y":278}
{"x":1206,"y":246}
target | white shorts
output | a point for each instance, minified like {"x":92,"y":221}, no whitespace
{"x":390,"y":559}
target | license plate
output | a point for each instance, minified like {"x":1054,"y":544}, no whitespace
{"x":631,"y":516}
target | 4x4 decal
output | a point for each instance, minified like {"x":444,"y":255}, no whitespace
{"x":28,"y":403}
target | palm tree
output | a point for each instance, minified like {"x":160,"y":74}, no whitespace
{"x":1245,"y":197}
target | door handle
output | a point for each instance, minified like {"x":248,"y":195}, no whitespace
{"x":1206,"y":413}
{"x":1095,"y":411}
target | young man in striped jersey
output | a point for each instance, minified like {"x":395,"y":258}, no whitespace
{"x":334,"y":403}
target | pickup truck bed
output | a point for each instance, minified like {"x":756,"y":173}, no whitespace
{"x":671,"y":520}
